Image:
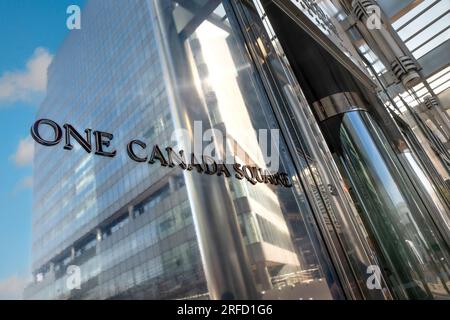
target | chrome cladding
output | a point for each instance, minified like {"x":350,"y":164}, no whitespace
{"x":338,"y":103}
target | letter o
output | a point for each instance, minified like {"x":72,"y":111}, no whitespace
{"x":37,"y":137}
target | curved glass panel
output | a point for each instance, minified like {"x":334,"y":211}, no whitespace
{"x":338,"y":218}
{"x":149,"y":222}
{"x":415,"y":255}
{"x":280,"y":236}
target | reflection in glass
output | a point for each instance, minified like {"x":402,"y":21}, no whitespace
{"x":416,"y":255}
{"x":286,"y":254}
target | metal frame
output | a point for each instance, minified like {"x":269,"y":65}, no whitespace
{"x":293,"y":126}
{"x":295,"y":14}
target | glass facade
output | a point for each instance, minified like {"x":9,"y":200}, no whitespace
{"x":248,"y":221}
{"x":370,"y":159}
{"x":127,"y":226}
{"x":214,"y":78}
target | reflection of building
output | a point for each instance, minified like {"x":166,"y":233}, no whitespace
{"x":136,"y":230}
{"x":228,"y":92}
{"x":128,"y":227}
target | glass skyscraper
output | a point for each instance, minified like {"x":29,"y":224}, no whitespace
{"x":128,"y":227}
{"x":113,"y":228}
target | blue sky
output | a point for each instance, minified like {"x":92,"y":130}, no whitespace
{"x":30,"y":33}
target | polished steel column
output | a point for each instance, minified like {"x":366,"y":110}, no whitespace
{"x":336,"y":215}
{"x":440,"y":118}
{"x":392,"y":211}
{"x":383,"y":40}
{"x":222,"y":249}
{"x":415,"y":256}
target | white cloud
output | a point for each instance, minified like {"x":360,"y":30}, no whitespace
{"x":22,"y":185}
{"x":24,"y":153}
{"x":23,"y":85}
{"x":27,"y":182}
{"x":11,"y":288}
